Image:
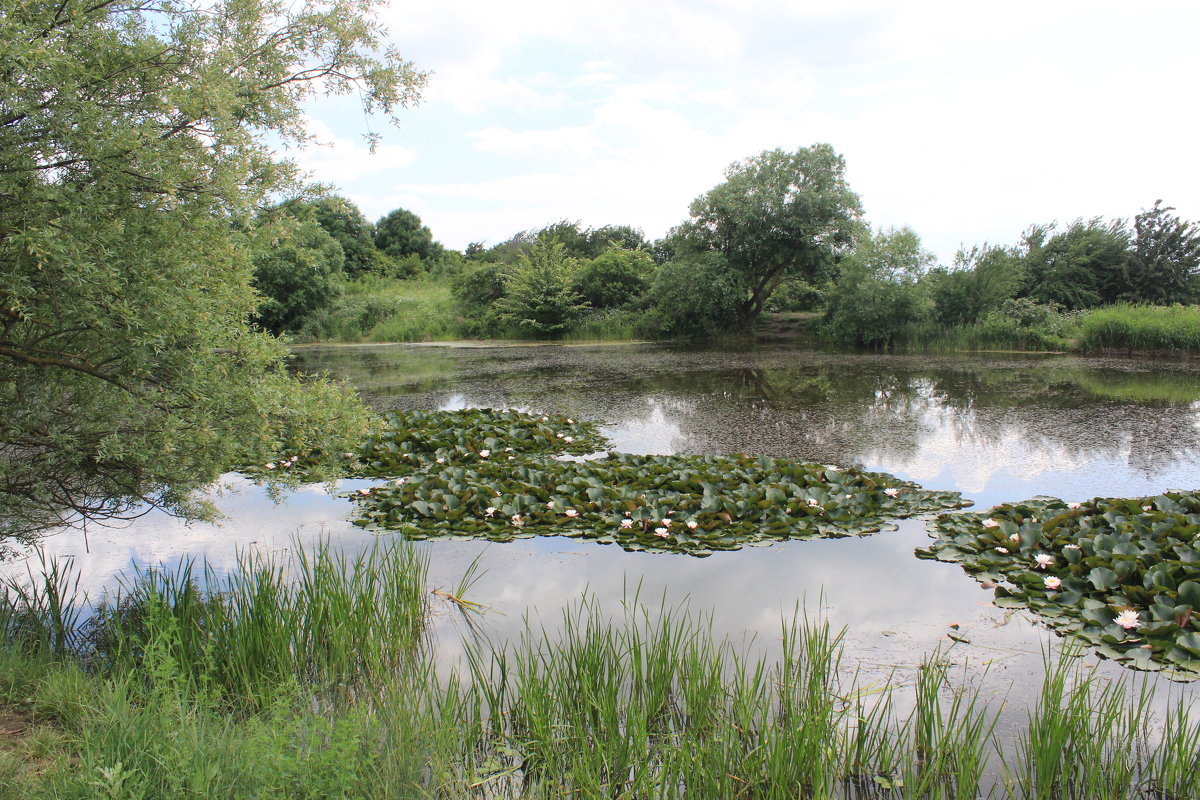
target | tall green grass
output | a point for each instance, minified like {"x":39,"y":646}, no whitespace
{"x":389,"y":310}
{"x":1173,"y":330}
{"x":311,"y":676}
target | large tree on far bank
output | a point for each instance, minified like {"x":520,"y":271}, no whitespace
{"x":777,"y":214}
{"x":132,"y":161}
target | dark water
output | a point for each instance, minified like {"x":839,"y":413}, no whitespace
{"x":996,"y":428}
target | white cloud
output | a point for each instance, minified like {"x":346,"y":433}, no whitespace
{"x":336,"y":159}
{"x":965,"y":122}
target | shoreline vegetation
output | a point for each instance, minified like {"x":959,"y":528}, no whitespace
{"x":313,"y":675}
{"x":423,"y":311}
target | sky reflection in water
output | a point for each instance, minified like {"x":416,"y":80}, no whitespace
{"x":994,"y":428}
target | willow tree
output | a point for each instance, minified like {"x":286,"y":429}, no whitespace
{"x":777,"y":214}
{"x":133,"y":153}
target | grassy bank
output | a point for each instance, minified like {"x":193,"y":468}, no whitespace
{"x":312,"y":677}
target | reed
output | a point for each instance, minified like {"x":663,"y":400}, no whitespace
{"x":310,"y":675}
{"x":1171,"y":330}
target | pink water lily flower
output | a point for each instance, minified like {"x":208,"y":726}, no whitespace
{"x":1127,"y":619}
{"x":489,"y":511}
{"x":626,"y":523}
{"x":692,"y":524}
{"x":666,"y":523}
{"x":568,"y":439}
{"x":1002,"y":550}
{"x":891,"y":492}
{"x":570,"y":512}
{"x":1016,"y":537}
{"x":364,"y":491}
{"x":1074,"y":506}
{"x":662,"y":532}
{"x":550,"y":504}
{"x":1052,"y":582}
{"x":517,"y":521}
{"x":991,"y":523}
{"x":1043,"y":560}
{"x":270,"y":465}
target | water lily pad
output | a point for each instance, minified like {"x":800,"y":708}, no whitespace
{"x":678,"y":503}
{"x":1108,"y":572}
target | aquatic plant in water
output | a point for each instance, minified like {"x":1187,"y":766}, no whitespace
{"x":1120,"y":574}
{"x":679,"y":503}
{"x":407,"y":440}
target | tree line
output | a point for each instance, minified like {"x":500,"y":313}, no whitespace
{"x":783,"y":231}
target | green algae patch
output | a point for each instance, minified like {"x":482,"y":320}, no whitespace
{"x":1120,"y":574}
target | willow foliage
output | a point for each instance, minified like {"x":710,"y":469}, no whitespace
{"x":132,"y":155}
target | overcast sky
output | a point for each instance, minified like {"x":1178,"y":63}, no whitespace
{"x":966,"y":121}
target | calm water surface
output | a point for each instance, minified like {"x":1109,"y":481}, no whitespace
{"x":996,"y":428}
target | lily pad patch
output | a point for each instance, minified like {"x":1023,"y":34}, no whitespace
{"x":679,"y":503}
{"x":1121,"y":574}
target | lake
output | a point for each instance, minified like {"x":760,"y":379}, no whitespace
{"x":994,"y":427}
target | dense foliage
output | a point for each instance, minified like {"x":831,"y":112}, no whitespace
{"x":1122,"y":575}
{"x":132,"y":160}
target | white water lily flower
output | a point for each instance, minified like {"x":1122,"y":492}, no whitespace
{"x":666,"y":523}
{"x":991,"y":523}
{"x":544,"y":419}
{"x":570,"y":421}
{"x":489,"y":511}
{"x":364,"y":491}
{"x":692,"y":524}
{"x":517,"y":521}
{"x":1052,"y":582}
{"x":1147,"y":508}
{"x":890,"y":492}
{"x":1127,"y":619}
{"x":484,"y":453}
{"x":626,"y":523}
{"x":1074,"y":505}
{"x":1016,"y":537}
{"x":1043,"y":560}
{"x":508,"y":449}
{"x":662,"y":532}
{"x":560,"y":435}
{"x":398,"y":482}
{"x":813,"y":503}
{"x":570,"y":512}
{"x":270,"y":465}
{"x":441,"y":460}
{"x":550,"y":504}
{"x":1002,"y":550}
{"x":568,"y":439}
{"x":1070,"y":547}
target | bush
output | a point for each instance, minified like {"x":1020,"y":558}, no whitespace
{"x":696,"y":296}
{"x":538,"y":299}
{"x":877,"y":292}
{"x":614,"y":278}
{"x":297,"y":270}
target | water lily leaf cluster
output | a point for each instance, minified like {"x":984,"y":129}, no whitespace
{"x":404,"y":441}
{"x":679,"y":503}
{"x":1121,"y":574}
